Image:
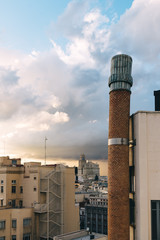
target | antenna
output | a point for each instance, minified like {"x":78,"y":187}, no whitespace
{"x":4,"y":147}
{"x":45,"y":149}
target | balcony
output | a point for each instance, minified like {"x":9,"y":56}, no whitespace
{"x":40,"y":208}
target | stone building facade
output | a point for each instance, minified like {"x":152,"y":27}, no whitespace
{"x":86,"y":169}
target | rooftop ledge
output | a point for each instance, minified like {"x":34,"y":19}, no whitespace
{"x":155,"y":112}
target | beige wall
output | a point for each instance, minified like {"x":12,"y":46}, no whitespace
{"x":30,"y":176}
{"x":3,"y":195}
{"x":71,"y":211}
{"x":17,"y":175}
{"x":7,"y":174}
{"x":8,"y":161}
{"x":147,"y":169}
{"x":19,"y":214}
{"x":80,"y":197}
{"x":32,"y":179}
{"x":31,"y":182}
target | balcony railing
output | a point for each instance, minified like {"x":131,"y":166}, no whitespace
{"x":40,"y":208}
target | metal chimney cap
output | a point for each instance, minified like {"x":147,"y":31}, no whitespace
{"x":121,"y":55}
{"x":121,"y":67}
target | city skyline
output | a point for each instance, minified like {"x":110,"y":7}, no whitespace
{"x":54,"y":69}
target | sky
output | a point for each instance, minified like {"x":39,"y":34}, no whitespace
{"x":54,"y":69}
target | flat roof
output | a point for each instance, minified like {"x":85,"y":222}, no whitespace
{"x":153,"y":112}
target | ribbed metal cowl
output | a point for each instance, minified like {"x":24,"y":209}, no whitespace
{"x":121,"y":67}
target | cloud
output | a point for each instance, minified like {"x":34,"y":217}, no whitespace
{"x":89,"y":50}
{"x":138,"y":30}
{"x":62,"y":93}
{"x":8,"y":77}
{"x":93,"y":121}
{"x":138,"y":35}
{"x":8,"y":107}
{"x":70,"y":23}
{"x":42,"y":121}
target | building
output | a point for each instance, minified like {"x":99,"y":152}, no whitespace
{"x":145,"y":174}
{"x":86,"y":169}
{"x":17,"y":223}
{"x":96,"y":214}
{"x":37,"y":202}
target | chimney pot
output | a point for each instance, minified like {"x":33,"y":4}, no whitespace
{"x":157,"y":100}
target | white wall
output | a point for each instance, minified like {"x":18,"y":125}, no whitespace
{"x":147,"y":169}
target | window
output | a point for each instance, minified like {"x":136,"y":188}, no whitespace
{"x":2,"y":238}
{"x":26,"y":222}
{"x":14,"y":223}
{"x":35,"y":178}
{"x":21,"y":189}
{"x":2,"y":224}
{"x":13,"y":181}
{"x":20,"y":203}
{"x":155,"y":220}
{"x":13,"y":237}
{"x":132,"y":179}
{"x":13,"y":189}
{"x":27,"y":236}
{"x":14,"y":162}
{"x":1,"y":181}
{"x":34,"y":189}
{"x":132,"y":211}
{"x":1,"y":189}
{"x":13,"y":203}
{"x":1,"y":202}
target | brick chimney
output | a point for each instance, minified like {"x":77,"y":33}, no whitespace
{"x":120,"y":83}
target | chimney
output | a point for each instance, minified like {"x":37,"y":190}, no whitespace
{"x":120,"y":83}
{"x":157,"y":100}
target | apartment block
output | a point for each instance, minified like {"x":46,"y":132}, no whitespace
{"x":145,"y":175}
{"x":38,"y":199}
{"x":96,"y":214}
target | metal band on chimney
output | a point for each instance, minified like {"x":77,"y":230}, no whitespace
{"x":118,"y":141}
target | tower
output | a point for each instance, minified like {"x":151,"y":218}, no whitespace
{"x":120,"y":83}
{"x":82,"y":162}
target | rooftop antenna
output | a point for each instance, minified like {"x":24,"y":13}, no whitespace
{"x":4,"y":147}
{"x":45,"y":149}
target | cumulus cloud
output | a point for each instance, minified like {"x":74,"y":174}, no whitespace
{"x":70,"y":23}
{"x":42,"y":121}
{"x":138,"y":35}
{"x":138,"y":30}
{"x":93,"y":121}
{"x":62,"y":93}
{"x":8,"y":77}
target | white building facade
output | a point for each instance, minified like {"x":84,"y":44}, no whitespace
{"x":145,"y":157}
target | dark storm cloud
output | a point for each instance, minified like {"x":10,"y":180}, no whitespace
{"x":93,"y":151}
